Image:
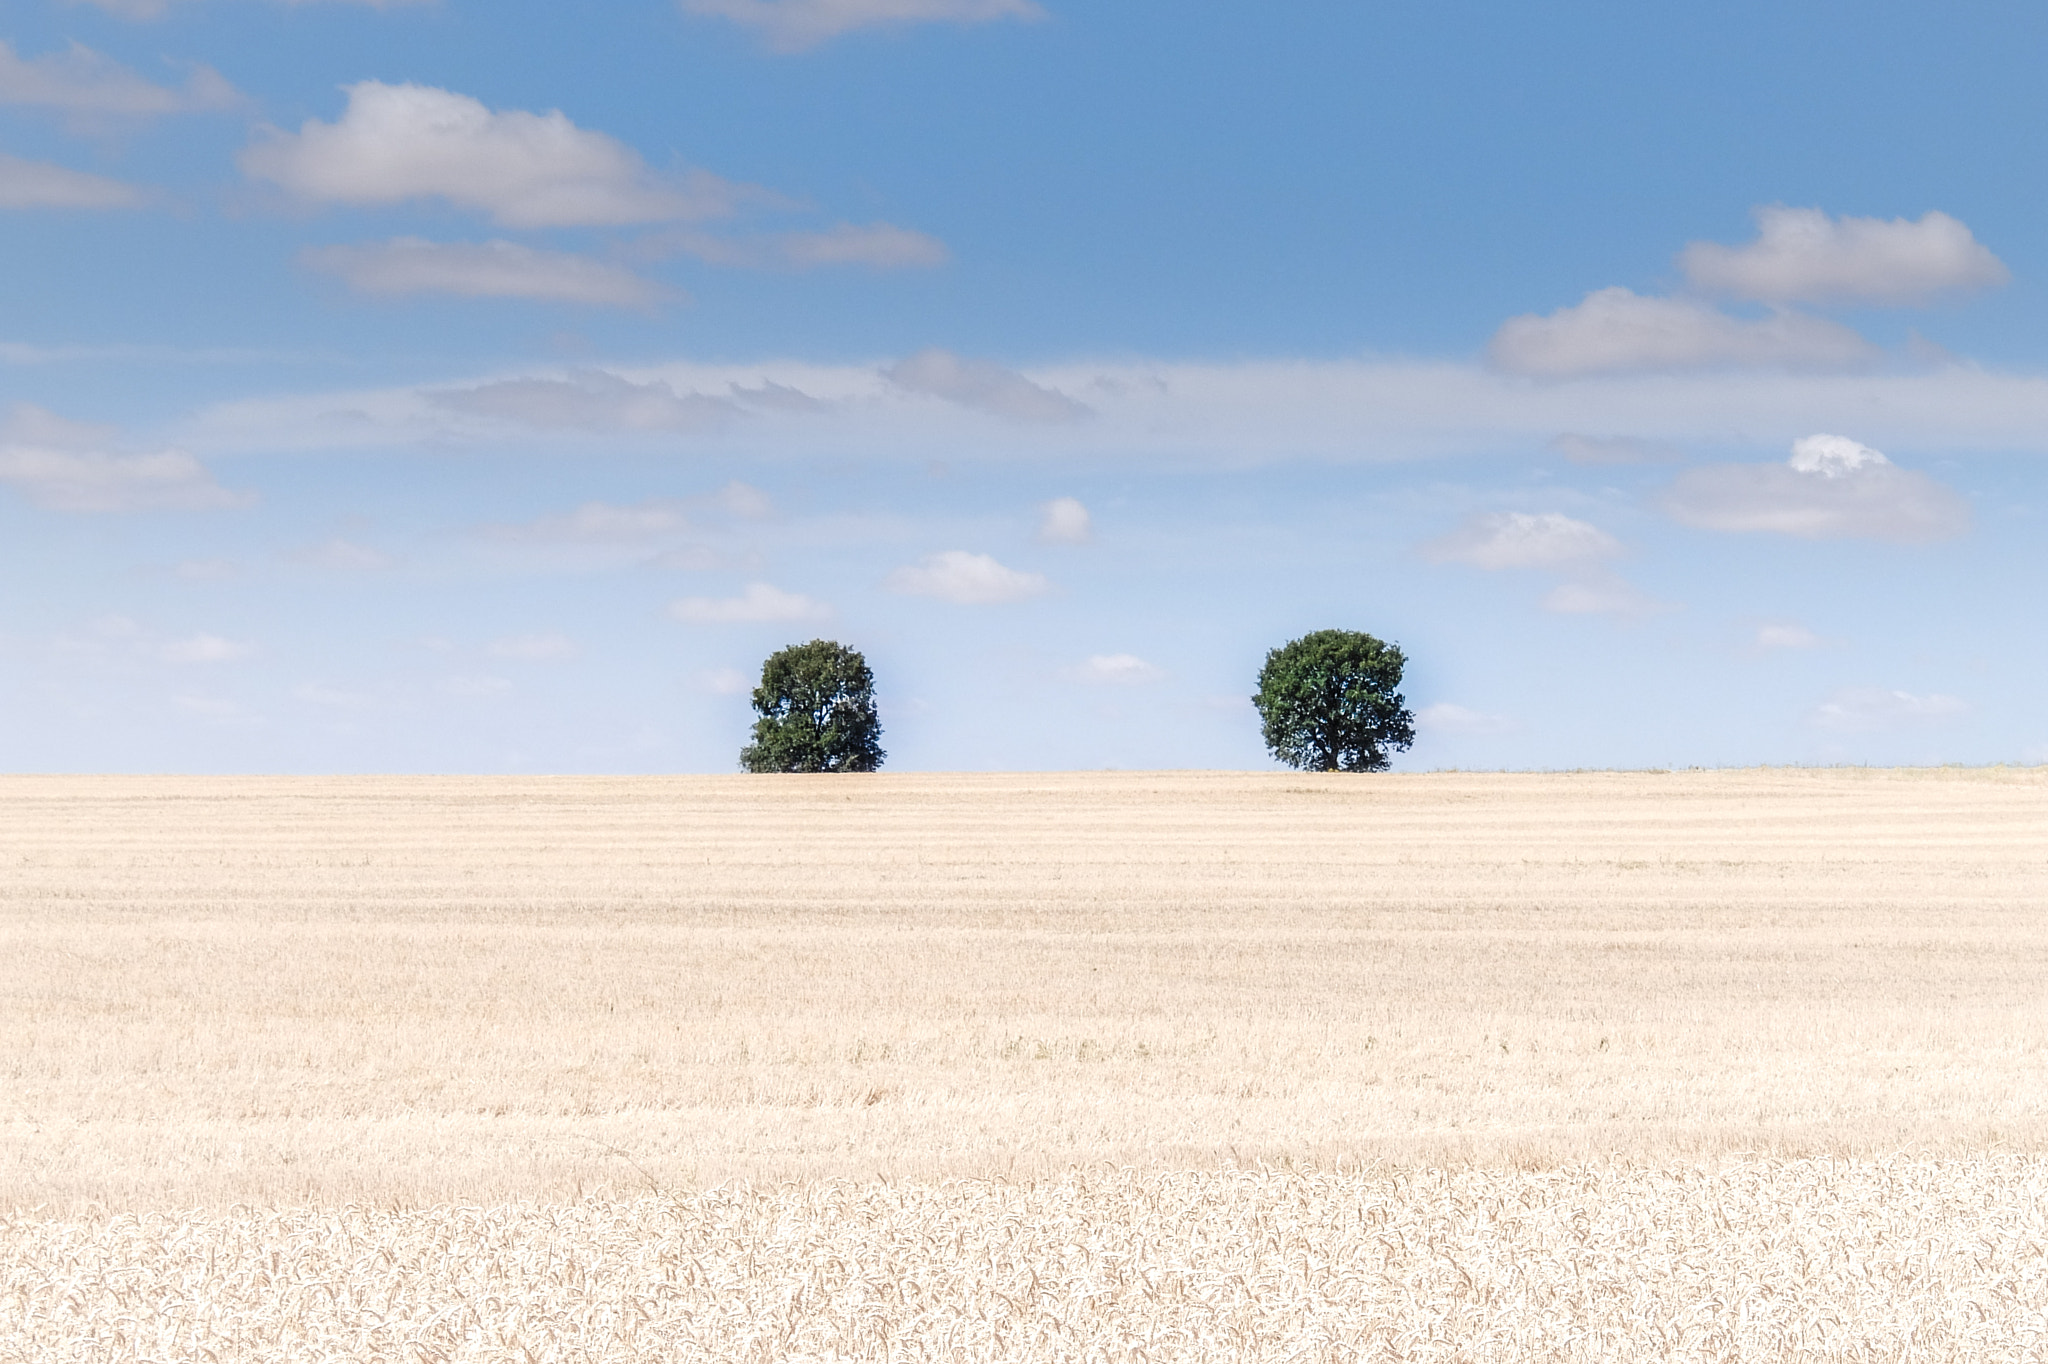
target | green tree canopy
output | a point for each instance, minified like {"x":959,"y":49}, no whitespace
{"x":1331,"y":702}
{"x":817,"y":707}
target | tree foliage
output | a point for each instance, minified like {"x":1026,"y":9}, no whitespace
{"x":817,"y":707}
{"x":1331,"y":702}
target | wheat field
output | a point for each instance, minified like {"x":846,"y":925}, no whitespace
{"x":1714,"y":1065}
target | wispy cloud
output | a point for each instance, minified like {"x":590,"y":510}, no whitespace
{"x":1831,"y":488}
{"x":875,"y":246}
{"x":1877,"y":708}
{"x":759,"y":603}
{"x":590,"y":400}
{"x":64,"y":466}
{"x":492,"y":269}
{"x":1119,"y":670}
{"x":39,"y":184}
{"x":1064,"y":520}
{"x":1618,"y":331}
{"x":1801,"y":255}
{"x":83,"y":84}
{"x":798,"y":25}
{"x":966,"y":579}
{"x":983,"y":386}
{"x":399,"y":142}
{"x":1505,"y":540}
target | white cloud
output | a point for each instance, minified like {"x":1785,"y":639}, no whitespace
{"x":336,"y":698}
{"x":38,"y":184}
{"x":204,"y":648}
{"x":759,"y":603}
{"x":1597,"y":450}
{"x":1599,"y":594}
{"x":1833,"y":456}
{"x":1499,"y":540}
{"x":590,"y":400}
{"x":492,"y":269}
{"x":722,"y":681}
{"x":1446,"y":717}
{"x":1236,"y":414}
{"x":876,"y":246}
{"x":1114,"y":670}
{"x":983,"y":386}
{"x":966,"y":579}
{"x":795,"y":25}
{"x":475,"y":685}
{"x":742,"y":500}
{"x":1617,"y":331}
{"x":1064,"y":521}
{"x":84,"y":84}
{"x":532,"y":648}
{"x":400,"y":142}
{"x":343,"y":556}
{"x":1801,"y":255}
{"x":1831,"y":488}
{"x":1875,"y":708}
{"x":1784,"y":635}
{"x":601,"y":523}
{"x":59,"y":464}
{"x":207,"y":570}
{"x":156,"y":9}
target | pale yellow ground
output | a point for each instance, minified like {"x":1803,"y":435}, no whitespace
{"x":408,"y":992}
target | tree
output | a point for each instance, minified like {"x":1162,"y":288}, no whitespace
{"x":1330,"y":702}
{"x":817,"y":707}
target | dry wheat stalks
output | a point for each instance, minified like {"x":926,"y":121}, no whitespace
{"x":1908,"y":1258}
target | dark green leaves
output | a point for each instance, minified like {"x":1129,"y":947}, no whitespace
{"x":817,"y":707}
{"x":1331,"y":702}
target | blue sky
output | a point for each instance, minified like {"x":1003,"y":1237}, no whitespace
{"x":437,"y":386}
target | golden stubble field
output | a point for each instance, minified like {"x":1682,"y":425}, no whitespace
{"x":1169,"y":1066}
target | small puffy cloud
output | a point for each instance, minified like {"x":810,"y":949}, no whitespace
{"x":82,"y":83}
{"x":601,"y":523}
{"x":758,"y":604}
{"x":61,"y":465}
{"x":966,"y":579}
{"x":1833,"y":456}
{"x":1831,"y":488}
{"x":1618,"y":331}
{"x":876,"y":246}
{"x":1784,"y":635}
{"x":1501,"y":540}
{"x":493,"y":269}
{"x":797,"y":25}
{"x":742,"y":500}
{"x":1801,"y":255}
{"x":1875,"y":708}
{"x":343,"y":556}
{"x":1598,"y":450}
{"x":722,"y":681}
{"x":333,"y":698}
{"x":589,"y":400}
{"x":400,"y":142}
{"x":475,"y":685}
{"x":532,"y":648}
{"x":1599,"y":594}
{"x":38,"y":184}
{"x":1064,"y":521}
{"x":204,"y":648}
{"x":1121,"y":670}
{"x":1446,"y":717}
{"x":983,"y":386}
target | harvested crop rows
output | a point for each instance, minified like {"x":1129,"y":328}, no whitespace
{"x":1106,"y":1066}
